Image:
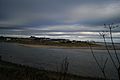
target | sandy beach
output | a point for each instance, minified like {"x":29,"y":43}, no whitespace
{"x":60,"y":47}
{"x":67,"y":47}
{"x":50,"y":46}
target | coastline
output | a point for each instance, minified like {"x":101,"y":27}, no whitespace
{"x":66,"y":47}
{"x":98,"y":47}
{"x":61,"y":47}
{"x":50,"y":46}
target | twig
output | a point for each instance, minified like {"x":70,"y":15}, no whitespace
{"x":102,"y":68}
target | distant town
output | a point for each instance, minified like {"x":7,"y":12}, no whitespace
{"x":46,"y":41}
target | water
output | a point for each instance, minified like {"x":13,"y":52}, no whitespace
{"x":81,"y":61}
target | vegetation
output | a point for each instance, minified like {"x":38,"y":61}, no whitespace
{"x":116,"y":61}
{"x":12,"y":71}
{"x":48,"y":41}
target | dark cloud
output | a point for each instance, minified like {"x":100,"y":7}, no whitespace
{"x":10,"y":27}
{"x":27,"y":17}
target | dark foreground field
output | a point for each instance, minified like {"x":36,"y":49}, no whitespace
{"x":11,"y":71}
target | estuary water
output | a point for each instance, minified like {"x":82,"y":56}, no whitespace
{"x":81,"y":61}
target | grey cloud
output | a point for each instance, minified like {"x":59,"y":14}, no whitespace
{"x":42,"y":13}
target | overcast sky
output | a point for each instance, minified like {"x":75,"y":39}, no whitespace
{"x":57,"y":17}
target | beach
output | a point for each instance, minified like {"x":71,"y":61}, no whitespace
{"x":62,"y":47}
{"x":101,"y":47}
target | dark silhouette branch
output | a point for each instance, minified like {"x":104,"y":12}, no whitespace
{"x":64,"y":69}
{"x":110,"y":27}
{"x":103,"y":36}
{"x":102,"y":68}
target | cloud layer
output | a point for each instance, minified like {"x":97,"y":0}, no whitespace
{"x":58,"y":15}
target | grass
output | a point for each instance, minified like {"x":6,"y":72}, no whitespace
{"x":12,"y":71}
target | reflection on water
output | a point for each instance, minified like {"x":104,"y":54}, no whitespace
{"x":81,"y":60}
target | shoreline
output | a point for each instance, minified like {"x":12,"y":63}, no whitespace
{"x":65,"y":47}
{"x":99,"y":47}
{"x":50,"y":46}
